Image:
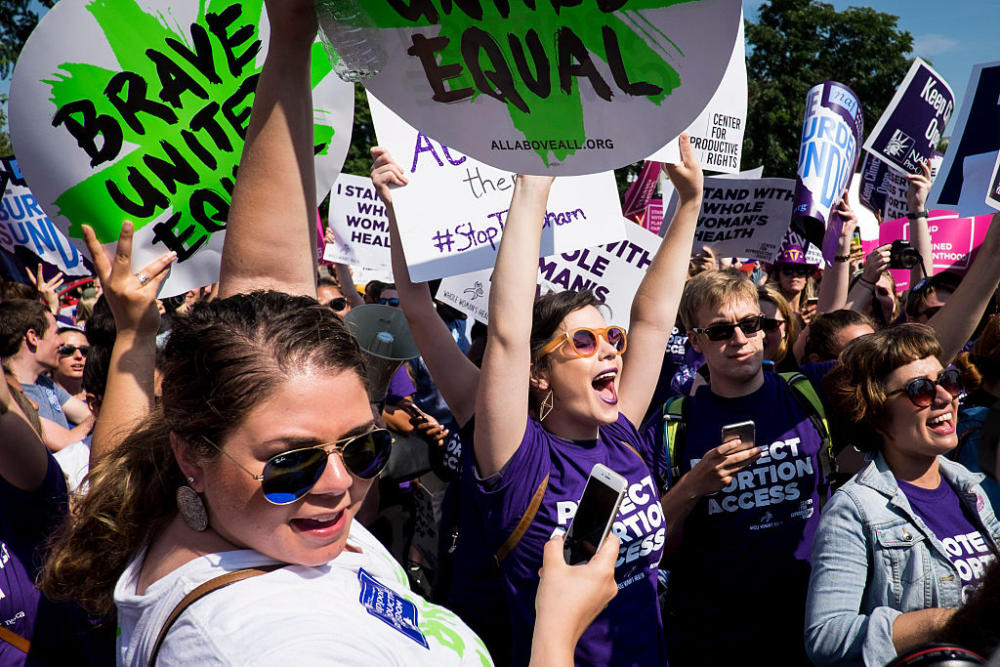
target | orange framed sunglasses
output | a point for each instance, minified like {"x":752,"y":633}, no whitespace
{"x":584,"y":341}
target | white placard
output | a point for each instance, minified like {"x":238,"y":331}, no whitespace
{"x":360,"y":226}
{"x":137,"y":110}
{"x":452,"y":212}
{"x":977,"y":175}
{"x":993,"y":193}
{"x":613,"y":271}
{"x":717,"y":134}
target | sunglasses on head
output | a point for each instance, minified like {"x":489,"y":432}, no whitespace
{"x":338,"y":303}
{"x":724,"y":331}
{"x":792,"y":270}
{"x":770,"y":324}
{"x":68,"y":350}
{"x":290,"y":475}
{"x":389,"y":302}
{"x":922,"y":391}
{"x":584,"y":341}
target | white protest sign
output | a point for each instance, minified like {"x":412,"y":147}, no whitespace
{"x":452,"y":212}
{"x":612,"y":271}
{"x":993,"y":193}
{"x":717,"y":134}
{"x":977,"y":176}
{"x":360,"y":227}
{"x":24,"y":228}
{"x":138,"y":110}
{"x":744,"y":217}
{"x":566,"y":88}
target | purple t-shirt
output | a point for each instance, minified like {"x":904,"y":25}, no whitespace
{"x":630,"y":630}
{"x":943,"y":513}
{"x":400,"y":386}
{"x":742,"y":569}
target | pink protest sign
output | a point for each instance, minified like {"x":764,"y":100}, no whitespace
{"x":954,"y":240}
{"x":652,"y":219}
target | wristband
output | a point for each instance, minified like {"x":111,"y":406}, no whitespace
{"x":916,"y":214}
{"x":841,"y":258}
{"x":870,"y":284}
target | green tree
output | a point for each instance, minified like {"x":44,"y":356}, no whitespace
{"x":17,"y":20}
{"x":5,"y":146}
{"x":796,"y":44}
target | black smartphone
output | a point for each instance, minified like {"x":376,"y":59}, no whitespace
{"x":594,"y":515}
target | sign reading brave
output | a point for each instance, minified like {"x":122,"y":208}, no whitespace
{"x":138,"y":110}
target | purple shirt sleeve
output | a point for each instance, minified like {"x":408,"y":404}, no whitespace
{"x":400,"y":386}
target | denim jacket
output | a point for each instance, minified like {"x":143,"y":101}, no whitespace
{"x":873,"y":559}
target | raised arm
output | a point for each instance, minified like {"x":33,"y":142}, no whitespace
{"x":920,"y":235}
{"x":837,"y":278}
{"x":955,"y":323}
{"x":502,"y":399}
{"x":128,"y":394}
{"x":23,"y":459}
{"x":654,"y":307}
{"x":456,"y":377}
{"x":270,"y":235}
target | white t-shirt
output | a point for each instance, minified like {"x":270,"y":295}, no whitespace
{"x":355,"y":610}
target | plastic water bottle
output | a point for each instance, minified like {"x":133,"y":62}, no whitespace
{"x":350,"y":38}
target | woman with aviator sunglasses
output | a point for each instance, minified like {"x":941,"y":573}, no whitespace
{"x":901,"y":545}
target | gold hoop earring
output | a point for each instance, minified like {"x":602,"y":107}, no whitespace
{"x":545,"y":409}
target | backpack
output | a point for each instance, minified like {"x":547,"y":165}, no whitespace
{"x":676,"y":413}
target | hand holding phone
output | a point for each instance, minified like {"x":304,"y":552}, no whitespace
{"x":594,"y":515}
{"x":745,"y":431}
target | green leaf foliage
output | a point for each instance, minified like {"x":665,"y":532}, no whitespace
{"x":796,"y":44}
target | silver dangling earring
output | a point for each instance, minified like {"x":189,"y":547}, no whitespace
{"x":192,"y":507}
{"x":545,"y":409}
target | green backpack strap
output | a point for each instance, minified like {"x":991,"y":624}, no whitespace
{"x":807,"y":398}
{"x":674,"y":437}
{"x":522,"y":526}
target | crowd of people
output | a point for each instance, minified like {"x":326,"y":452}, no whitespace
{"x":224,"y":478}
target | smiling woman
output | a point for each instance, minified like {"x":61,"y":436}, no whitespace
{"x":901,"y":545}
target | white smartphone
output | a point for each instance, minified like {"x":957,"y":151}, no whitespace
{"x":594,"y":515}
{"x":746,"y":431}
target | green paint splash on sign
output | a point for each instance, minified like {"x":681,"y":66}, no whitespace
{"x":178,"y":106}
{"x":645,"y":50}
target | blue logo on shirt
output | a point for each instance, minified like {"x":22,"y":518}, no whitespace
{"x":385,"y":604}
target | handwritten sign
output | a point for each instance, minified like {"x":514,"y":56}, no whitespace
{"x":883,"y":190}
{"x":910,"y":128}
{"x":360,"y":226}
{"x":121,"y":111}
{"x":27,"y":234}
{"x":565,"y":88}
{"x":717,"y":133}
{"x":452,"y":212}
{"x":612,"y":271}
{"x":955,"y":240}
{"x":828,"y":154}
{"x":976,"y":132}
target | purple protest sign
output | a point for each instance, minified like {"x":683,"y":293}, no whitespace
{"x":639,"y":193}
{"x":955,"y":241}
{"x":828,"y":153}
{"x":910,"y":127}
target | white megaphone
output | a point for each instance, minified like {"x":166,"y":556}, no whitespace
{"x":384,"y":337}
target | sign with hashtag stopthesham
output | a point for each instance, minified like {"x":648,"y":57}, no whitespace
{"x":452,"y":212}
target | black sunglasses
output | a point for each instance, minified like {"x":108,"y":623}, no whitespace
{"x":921,"y":391}
{"x":748,"y":325}
{"x":771,"y":324}
{"x":795,"y":270}
{"x":290,"y":475}
{"x":338,"y":303}
{"x":389,"y":302}
{"x":68,"y":350}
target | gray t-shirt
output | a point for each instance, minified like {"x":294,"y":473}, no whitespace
{"x":50,"y":398}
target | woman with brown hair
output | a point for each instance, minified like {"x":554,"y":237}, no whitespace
{"x":781,"y":328}
{"x":902,"y":544}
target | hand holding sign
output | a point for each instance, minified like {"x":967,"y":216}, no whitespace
{"x":386,"y":172}
{"x":918,"y":188}
{"x":687,"y":177}
{"x":131,"y":296}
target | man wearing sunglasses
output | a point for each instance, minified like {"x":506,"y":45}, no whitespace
{"x":29,"y":346}
{"x":740,"y":515}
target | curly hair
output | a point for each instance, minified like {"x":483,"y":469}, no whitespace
{"x":221,"y":361}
